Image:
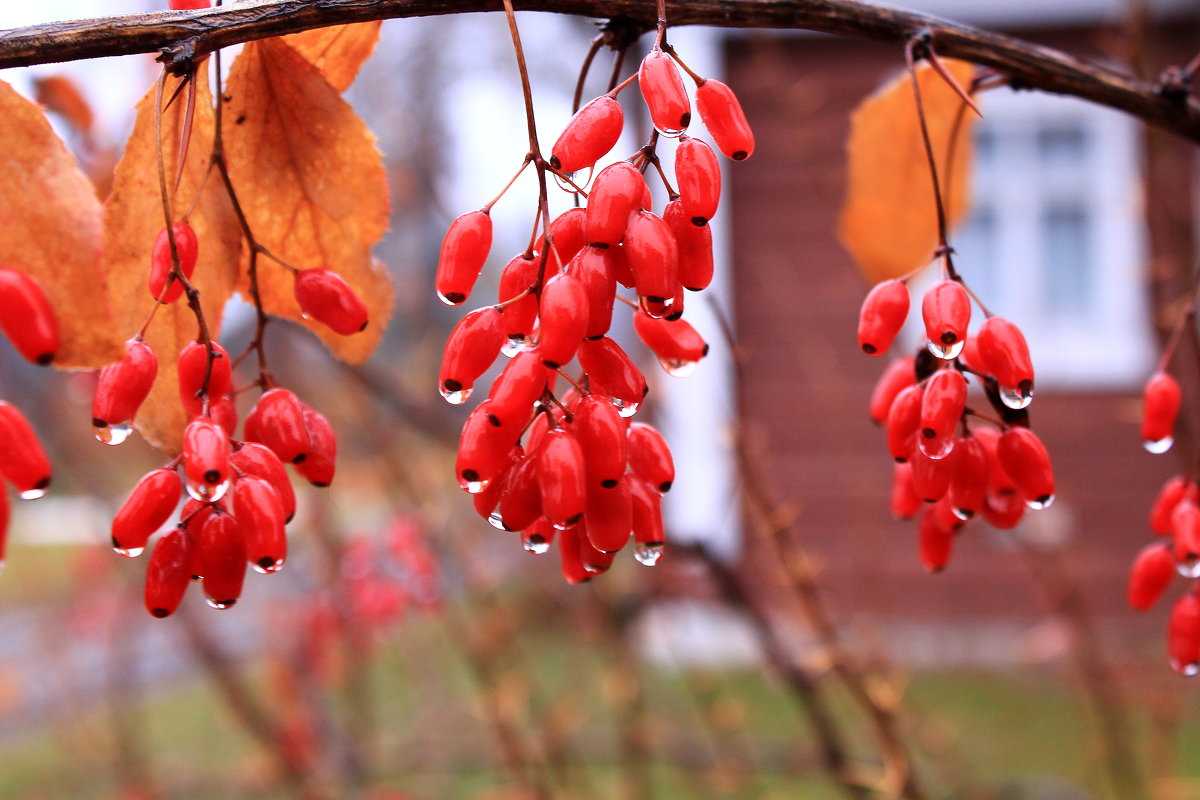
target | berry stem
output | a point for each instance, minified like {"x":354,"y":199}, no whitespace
{"x":669,"y":50}
{"x":616,"y":90}
{"x":584,"y":68}
{"x":922,"y":41}
{"x":528,"y":159}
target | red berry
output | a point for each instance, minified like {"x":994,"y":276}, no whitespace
{"x":1004,"y":353}
{"x":694,"y":246}
{"x":1169,"y":496}
{"x":935,"y":538}
{"x":193,"y":368}
{"x":699,"y":179}
{"x":650,"y":457}
{"x":517,"y":388}
{"x":969,"y":481}
{"x":609,"y":517}
{"x":941,"y":409}
{"x":121,"y":389}
{"x":882,"y":316}
{"x":1024,"y":458}
{"x":564,"y":319}
{"x":678,"y":346}
{"x":589,"y":134}
{"x":470,"y":349}
{"x":260,"y":461}
{"x":482,"y":449}
{"x":1183,"y":636}
{"x":325,"y":296}
{"x":187,"y":247}
{"x":653,"y":256}
{"x":946,"y":309}
{"x":521,"y":499}
{"x":904,"y":501}
{"x":464,"y":251}
{"x":27,"y":317}
{"x":568,"y":233}
{"x":648,"y":529}
{"x":206,"y":459}
{"x":592,"y":269}
{"x":148,"y":507}
{"x":899,"y":374}
{"x":168,"y":573}
{"x":319,"y":467}
{"x":562,"y":478}
{"x":1161,"y":400}
{"x":602,"y":435}
{"x":662,"y":89}
{"x":570,"y":548}
{"x":722,"y":115}
{"x":616,"y":194}
{"x":931,"y":476}
{"x":1152,"y":572}
{"x":1003,"y":510}
{"x":258,"y":512}
{"x":221,"y":559}
{"x":903,"y":422}
{"x":518,"y":277}
{"x":278,"y":422}
{"x":22,"y":460}
{"x":612,"y":372}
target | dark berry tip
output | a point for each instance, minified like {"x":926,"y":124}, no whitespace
{"x":116,"y":545}
{"x":366,"y":322}
{"x":266,"y":562}
{"x":44,"y":359}
{"x":226,"y":603}
{"x":949,"y":337}
{"x":704,"y":352}
{"x":599,"y":245}
{"x":300,"y":458}
{"x":43,"y":483}
{"x":740,"y":155}
{"x":160,"y":612}
{"x":318,"y":484}
{"x":575,"y":519}
{"x":928,"y":433}
{"x":685,"y":119}
{"x":496,"y":421}
{"x":609,"y":484}
{"x":451,"y":385}
{"x":212,"y":476}
{"x":454,"y":298}
{"x":699,"y":222}
{"x":665,"y":486}
{"x":98,"y":423}
{"x":869,"y":349}
{"x":470,"y":475}
{"x":555,"y":163}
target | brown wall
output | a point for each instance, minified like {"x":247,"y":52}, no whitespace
{"x":805,"y":384}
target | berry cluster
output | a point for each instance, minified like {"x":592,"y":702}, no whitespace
{"x":237,"y":493}
{"x":1175,"y":517}
{"x":29,"y":322}
{"x":571,"y":463}
{"x":952,"y":462}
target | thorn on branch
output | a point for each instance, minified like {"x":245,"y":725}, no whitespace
{"x":621,"y":33}
{"x":1175,"y":84}
{"x":180,"y":58}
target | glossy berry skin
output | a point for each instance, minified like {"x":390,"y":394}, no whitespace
{"x":602,"y":435}
{"x":321,"y":464}
{"x":592,"y":269}
{"x":931,"y":476}
{"x":699,"y":179}
{"x":1160,"y":405}
{"x":646,"y":507}
{"x":899,"y":374}
{"x":192,"y":368}
{"x":903,"y":422}
{"x":23,"y":461}
{"x":149,"y":506}
{"x":517,"y":388}
{"x":465,"y":248}
{"x":483,"y":449}
{"x":591,"y":133}
{"x":676,"y":343}
{"x":653,"y":256}
{"x":882,"y":316}
{"x":570,"y":549}
{"x":521,"y":501}
{"x":325,"y":296}
{"x":1169,"y":496}
{"x":662,"y":89}
{"x":1025,"y":460}
{"x":188,"y":249}
{"x":941,"y":409}
{"x":650,"y":457}
{"x":221,"y":559}
{"x":168,"y":573}
{"x":564,"y":319}
{"x":612,"y":372}
{"x":516,"y":279}
{"x":562,"y":477}
{"x":946,"y":309}
{"x":27,"y":318}
{"x":123,"y":387}
{"x":206,"y":459}
{"x":616,"y":194}
{"x":470,"y":349}
{"x":722,"y":115}
{"x":258,"y":512}
{"x":609,"y":517}
{"x":1183,"y":635}
{"x":1152,"y":572}
{"x":260,"y":461}
{"x":935,"y":540}
{"x":904,"y":501}
{"x":969,"y":481}
{"x":1004,"y":354}
{"x":568,"y":234}
{"x":694,"y":246}
{"x":279,"y":424}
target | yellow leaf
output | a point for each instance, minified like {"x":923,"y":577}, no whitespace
{"x":133,"y":218}
{"x":50,"y":229}
{"x":337,"y":52}
{"x":311,"y":183}
{"x":889,"y":221}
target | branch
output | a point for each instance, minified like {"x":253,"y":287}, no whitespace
{"x":183,"y":36}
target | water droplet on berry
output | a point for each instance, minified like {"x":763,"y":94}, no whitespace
{"x":114,"y":434}
{"x":1015,"y":398}
{"x":129,"y":552}
{"x":567,"y":187}
{"x":678,"y":369}
{"x":219,"y":604}
{"x":1159,"y":446}
{"x":936,"y":448}
{"x":1189,"y":567}
{"x":946,"y":352}
{"x":207,"y":492}
{"x":962,"y":513}
{"x":32,"y":494}
{"x":473,"y":487}
{"x":1040,"y":503}
{"x":455,"y":398}
{"x":1186,"y":670}
{"x":496,"y":521}
{"x":648,"y":554}
{"x":625,"y":409}
{"x":535,"y":544}
{"x":267,"y":567}
{"x":512,"y":345}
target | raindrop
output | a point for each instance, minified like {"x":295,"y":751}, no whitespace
{"x":1159,"y":446}
{"x":678,"y":369}
{"x":535,"y":543}
{"x":32,"y":494}
{"x":963,"y":513}
{"x":266,"y":566}
{"x":946,"y":352}
{"x":936,"y":448}
{"x":1042,"y":502}
{"x":129,"y":552}
{"x":648,"y":554}
{"x":1186,"y":670}
{"x":496,"y":521}
{"x":624,"y":408}
{"x":219,"y":604}
{"x":207,"y":492}
{"x":1189,"y":567}
{"x":473,"y":487}
{"x":566,"y":185}
{"x":513,"y":345}
{"x":456,"y":398}
{"x":1015,"y":398}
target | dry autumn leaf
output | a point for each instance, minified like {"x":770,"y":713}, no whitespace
{"x":888,"y":221}
{"x":133,"y":218}
{"x":56,"y":239}
{"x":311,"y":183}
{"x":337,"y":52}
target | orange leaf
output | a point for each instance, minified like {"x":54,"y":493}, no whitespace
{"x":337,"y":52}
{"x":133,"y":218}
{"x":311,"y":183}
{"x":889,"y":222}
{"x":50,"y":228}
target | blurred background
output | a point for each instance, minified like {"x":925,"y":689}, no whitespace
{"x":788,"y":644}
